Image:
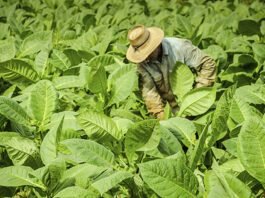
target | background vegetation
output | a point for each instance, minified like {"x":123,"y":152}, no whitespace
{"x":72,"y":120}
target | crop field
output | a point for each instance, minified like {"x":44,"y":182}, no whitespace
{"x":72,"y":119}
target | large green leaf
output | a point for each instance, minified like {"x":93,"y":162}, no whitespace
{"x":123,"y":82}
{"x":197,"y":101}
{"x":49,"y":145}
{"x":182,"y":128}
{"x":19,"y":149}
{"x":64,"y":82}
{"x":259,"y":52}
{"x":98,"y":125}
{"x":43,"y":101}
{"x":83,"y":171}
{"x":169,"y":144}
{"x":106,"y":183}
{"x":225,"y":185}
{"x":169,"y":178}
{"x":221,"y":114}
{"x":119,"y":72}
{"x":18,"y":72}
{"x":13,"y":111}
{"x":60,"y":60}
{"x":251,"y":147}
{"x":101,"y":60}
{"x":7,"y":49}
{"x":198,"y":150}
{"x":35,"y":42}
{"x":76,"y":192}
{"x":142,"y":136}
{"x":95,"y":78}
{"x":231,"y":146}
{"x":254,"y":94}
{"x":42,"y":62}
{"x":70,"y":125}
{"x":183,"y":26}
{"x":88,"y":151}
{"x":18,"y":176}
{"x":94,"y":74}
{"x":181,"y":80}
{"x":241,"y":111}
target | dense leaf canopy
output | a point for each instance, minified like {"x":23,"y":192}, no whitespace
{"x":72,"y":119}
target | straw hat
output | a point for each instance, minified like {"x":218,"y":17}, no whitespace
{"x":143,"y":42}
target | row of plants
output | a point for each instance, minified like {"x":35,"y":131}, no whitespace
{"x":72,"y":119}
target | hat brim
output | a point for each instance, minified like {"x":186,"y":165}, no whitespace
{"x":139,"y":55}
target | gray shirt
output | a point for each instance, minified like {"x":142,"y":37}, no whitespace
{"x":154,"y":75}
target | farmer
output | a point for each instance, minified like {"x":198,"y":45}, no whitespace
{"x":156,"y":57}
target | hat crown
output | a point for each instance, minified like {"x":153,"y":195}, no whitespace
{"x":138,"y":36}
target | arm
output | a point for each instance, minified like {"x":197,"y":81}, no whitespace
{"x":206,"y":72}
{"x":152,"y":98}
{"x":202,"y":63}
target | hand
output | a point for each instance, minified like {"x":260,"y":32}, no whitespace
{"x":198,"y":85}
{"x":160,"y":115}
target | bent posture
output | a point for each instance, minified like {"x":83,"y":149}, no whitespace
{"x":156,"y":57}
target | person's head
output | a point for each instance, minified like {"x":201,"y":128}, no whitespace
{"x":144,"y":43}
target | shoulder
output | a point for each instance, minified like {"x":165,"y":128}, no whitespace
{"x":176,"y":43}
{"x":175,"y":40}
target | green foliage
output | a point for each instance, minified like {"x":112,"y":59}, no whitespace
{"x":73,"y":123}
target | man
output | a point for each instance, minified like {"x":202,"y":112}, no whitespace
{"x":156,"y":57}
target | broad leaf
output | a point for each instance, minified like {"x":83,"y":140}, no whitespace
{"x":198,"y":150}
{"x":231,"y":146}
{"x":254,"y":94}
{"x":241,"y":111}
{"x":197,"y":101}
{"x":259,"y":51}
{"x":70,"y":126}
{"x":182,"y":128}
{"x":106,"y":183}
{"x":169,"y":144}
{"x":98,"y":125}
{"x":18,"y":72}
{"x":122,"y":84}
{"x":7,"y":49}
{"x":60,"y":60}
{"x":64,"y":82}
{"x":42,"y":62}
{"x":95,"y":78}
{"x":143,"y":136}
{"x":88,"y":151}
{"x":251,"y":148}
{"x":19,"y":149}
{"x":35,"y":42}
{"x":169,"y":178}
{"x":13,"y":111}
{"x":83,"y":171}
{"x":43,"y":101}
{"x":49,"y":145}
{"x":225,"y":185}
{"x":181,"y":80}
{"x":75,"y":192}
{"x":221,"y":114}
{"x":19,"y":176}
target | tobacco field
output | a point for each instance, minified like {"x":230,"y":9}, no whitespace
{"x":73,"y":122}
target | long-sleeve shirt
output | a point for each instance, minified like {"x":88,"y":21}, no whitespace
{"x":154,"y":75}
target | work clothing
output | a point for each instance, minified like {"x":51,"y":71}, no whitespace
{"x":154,"y":75}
